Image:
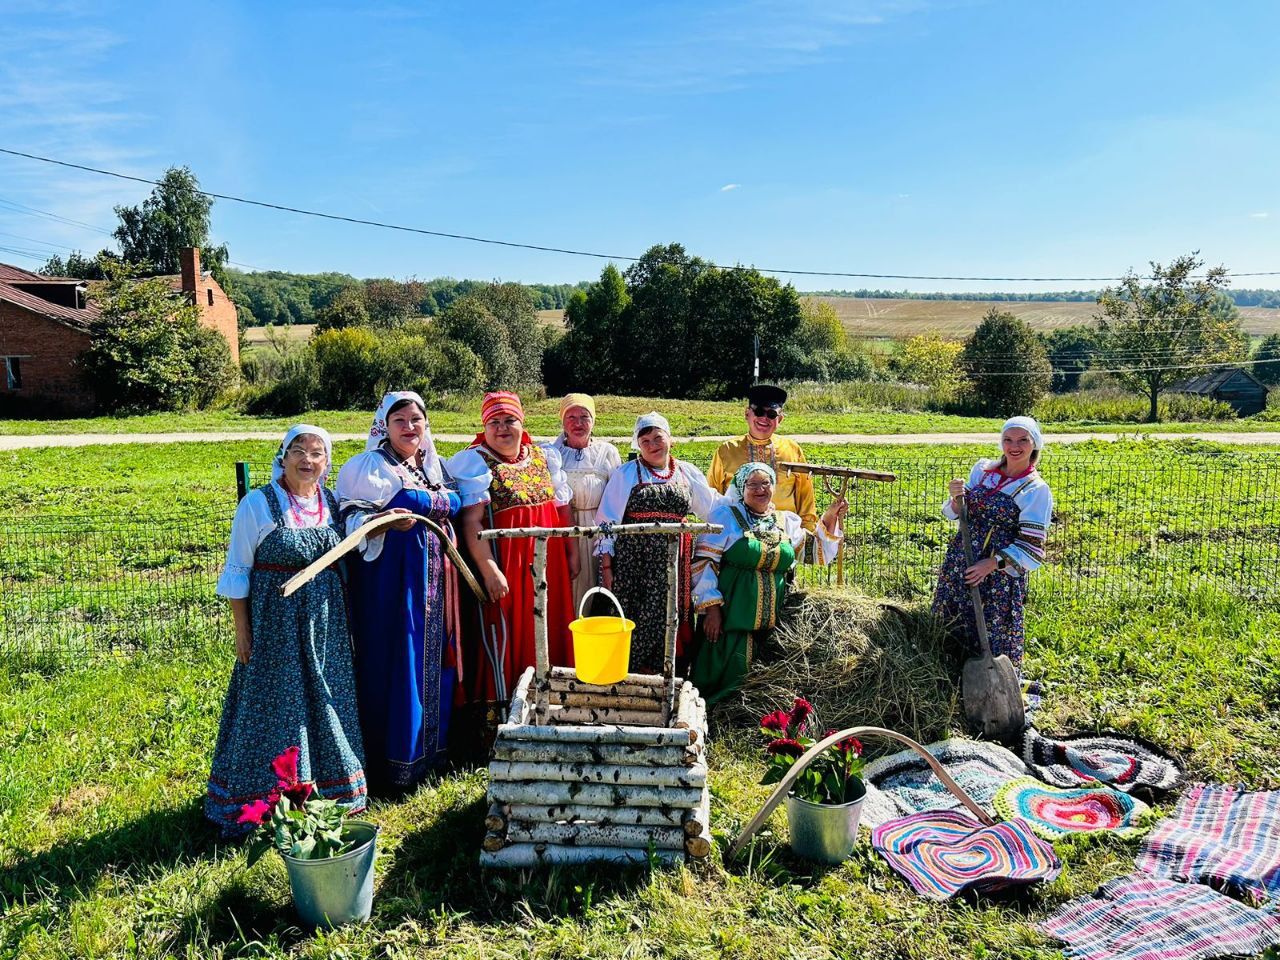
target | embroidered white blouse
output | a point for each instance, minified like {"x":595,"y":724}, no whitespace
{"x":711,"y":547}
{"x":366,"y":484}
{"x":471,"y":475}
{"x":1035,"y":512}
{"x":587,"y":471}
{"x":702,"y":498}
{"x":252,"y":523}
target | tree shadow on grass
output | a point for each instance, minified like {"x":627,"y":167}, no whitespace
{"x":69,"y":870}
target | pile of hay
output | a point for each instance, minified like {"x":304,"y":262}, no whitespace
{"x":859,"y":661}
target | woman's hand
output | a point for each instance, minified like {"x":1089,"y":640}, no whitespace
{"x":495,"y":584}
{"x":713,"y":623}
{"x":572,"y":559}
{"x":402,"y":526}
{"x":956,"y":489}
{"x":980,"y":571}
{"x":606,"y":573}
{"x":244,"y":645}
{"x":835,"y":514}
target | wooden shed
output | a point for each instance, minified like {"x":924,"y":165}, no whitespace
{"x":1232,"y":385}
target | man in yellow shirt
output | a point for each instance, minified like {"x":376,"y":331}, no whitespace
{"x":793,"y":491}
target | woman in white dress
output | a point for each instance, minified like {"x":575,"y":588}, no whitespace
{"x":587,"y":464}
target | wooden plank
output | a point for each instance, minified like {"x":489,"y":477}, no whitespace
{"x":604,"y":773}
{"x":626,"y":754}
{"x":527,"y":855}
{"x":585,"y":813}
{"x":604,"y":733}
{"x":595,"y":794}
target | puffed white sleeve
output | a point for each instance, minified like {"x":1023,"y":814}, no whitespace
{"x":1035,"y":511}
{"x":708,"y":552}
{"x":613,"y":502}
{"x":612,"y":459}
{"x":560,"y":482}
{"x":472,"y":476}
{"x":975,"y":477}
{"x":703,"y":497}
{"x":793,"y":527}
{"x":247,"y":531}
{"x":365,"y":486}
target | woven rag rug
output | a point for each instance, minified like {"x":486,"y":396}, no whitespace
{"x":1120,"y":761}
{"x":902,"y":783}
{"x":1224,"y":836}
{"x":943,"y":852}
{"x":1054,"y":812}
{"x":1147,"y":918}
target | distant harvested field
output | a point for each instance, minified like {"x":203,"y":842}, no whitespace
{"x":295,"y":333}
{"x":554,"y":318}
{"x":956,"y":319}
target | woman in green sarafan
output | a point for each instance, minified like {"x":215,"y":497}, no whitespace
{"x":740,"y":575}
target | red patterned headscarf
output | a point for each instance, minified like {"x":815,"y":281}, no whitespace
{"x":497,"y":404}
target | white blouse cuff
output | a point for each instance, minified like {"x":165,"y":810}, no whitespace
{"x":233,"y":584}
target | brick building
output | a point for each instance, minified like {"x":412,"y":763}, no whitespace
{"x":45,"y":324}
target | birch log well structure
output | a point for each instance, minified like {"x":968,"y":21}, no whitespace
{"x":586,"y":773}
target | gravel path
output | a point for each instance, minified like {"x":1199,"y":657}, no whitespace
{"x":91,"y":439}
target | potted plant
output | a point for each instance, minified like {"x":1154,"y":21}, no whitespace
{"x":825,"y":803}
{"x":329,"y":858}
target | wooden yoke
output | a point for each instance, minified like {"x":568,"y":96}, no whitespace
{"x":846,"y":475}
{"x":542,"y":654}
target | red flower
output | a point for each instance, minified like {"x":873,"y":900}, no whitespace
{"x":255,"y":813}
{"x":285,"y":767}
{"x":776,"y":721}
{"x":800,"y":712}
{"x":784,"y":746}
{"x":851,"y":746}
{"x":298,"y":792}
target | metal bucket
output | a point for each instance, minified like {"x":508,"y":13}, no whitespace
{"x":824,"y":832}
{"x":337,"y":890}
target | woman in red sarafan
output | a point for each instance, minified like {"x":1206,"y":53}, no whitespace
{"x":507,"y":481}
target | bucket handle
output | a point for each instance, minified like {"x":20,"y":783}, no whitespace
{"x":582,"y":604}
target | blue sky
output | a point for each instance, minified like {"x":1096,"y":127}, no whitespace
{"x":992,"y":138}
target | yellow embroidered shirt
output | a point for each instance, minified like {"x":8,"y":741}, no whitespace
{"x":793,"y":491}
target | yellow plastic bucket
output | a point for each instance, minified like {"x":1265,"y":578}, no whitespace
{"x":601,"y":645}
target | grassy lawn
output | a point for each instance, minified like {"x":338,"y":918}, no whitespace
{"x":616,"y":417}
{"x":104,"y":852}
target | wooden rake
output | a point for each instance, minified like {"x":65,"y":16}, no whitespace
{"x":845,"y":476}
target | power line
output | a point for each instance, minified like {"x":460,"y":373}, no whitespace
{"x":570,"y":251}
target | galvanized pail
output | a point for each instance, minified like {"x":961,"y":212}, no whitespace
{"x":337,"y":890}
{"x":822,"y":831}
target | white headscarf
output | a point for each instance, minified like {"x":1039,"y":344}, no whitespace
{"x":296,"y":431}
{"x":651,"y":419}
{"x":1027,"y":424}
{"x":378,"y":433}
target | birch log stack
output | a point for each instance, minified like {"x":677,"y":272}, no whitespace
{"x":599,"y":777}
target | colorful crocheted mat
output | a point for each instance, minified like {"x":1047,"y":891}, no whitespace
{"x":1123,"y":762}
{"x":1220,"y":835}
{"x":1144,"y":918}
{"x":1054,"y":812}
{"x":902,"y":783}
{"x":942,"y":852}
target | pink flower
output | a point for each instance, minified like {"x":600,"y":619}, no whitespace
{"x":256,"y":812}
{"x":298,"y":792}
{"x":800,"y":712}
{"x":776,"y":721}
{"x":784,"y":746}
{"x":285,"y":767}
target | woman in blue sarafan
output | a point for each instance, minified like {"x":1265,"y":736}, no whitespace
{"x":292,"y":684}
{"x":404,"y":596}
{"x":1010,"y":508}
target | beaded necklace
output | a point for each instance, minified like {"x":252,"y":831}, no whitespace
{"x":671,"y":469}
{"x":298,"y":510}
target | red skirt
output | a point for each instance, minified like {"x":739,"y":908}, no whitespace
{"x":507,"y":648}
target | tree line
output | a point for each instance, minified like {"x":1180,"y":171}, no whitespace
{"x":1241,"y":298}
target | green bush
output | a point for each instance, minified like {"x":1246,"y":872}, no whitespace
{"x":1113,"y":405}
{"x":288,"y":395}
{"x":347,"y":367}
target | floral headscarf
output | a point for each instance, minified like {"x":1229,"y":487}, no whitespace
{"x":738,"y":487}
{"x":296,"y":431}
{"x":379,"y":435}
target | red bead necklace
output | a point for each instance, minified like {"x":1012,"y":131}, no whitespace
{"x":671,"y":469}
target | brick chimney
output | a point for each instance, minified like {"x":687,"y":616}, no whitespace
{"x":189,"y":257}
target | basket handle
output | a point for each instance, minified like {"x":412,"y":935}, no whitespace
{"x":798,"y":767}
{"x":582,"y":604}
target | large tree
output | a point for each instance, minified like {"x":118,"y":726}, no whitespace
{"x":1266,"y":360}
{"x":1006,"y":365}
{"x":176,"y":215}
{"x":1071,"y":351}
{"x":1175,"y":326}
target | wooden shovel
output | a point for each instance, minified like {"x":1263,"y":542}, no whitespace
{"x":989,"y":685}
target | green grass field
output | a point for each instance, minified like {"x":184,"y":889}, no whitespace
{"x":104,"y":852}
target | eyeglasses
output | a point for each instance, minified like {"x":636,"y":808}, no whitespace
{"x":769,"y":413}
{"x":759,"y":487}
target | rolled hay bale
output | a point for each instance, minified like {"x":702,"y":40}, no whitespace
{"x":859,"y":660}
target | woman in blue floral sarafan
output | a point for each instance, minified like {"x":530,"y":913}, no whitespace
{"x":404,"y":596}
{"x":292,"y":684}
{"x":1010,"y":507}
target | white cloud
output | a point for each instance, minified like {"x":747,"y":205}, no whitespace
{"x":729,"y":186}
{"x":1261,"y":215}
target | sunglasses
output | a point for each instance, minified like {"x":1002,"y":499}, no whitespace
{"x":769,"y":413}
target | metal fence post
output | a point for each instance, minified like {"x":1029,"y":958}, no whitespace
{"x":242,"y":480}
